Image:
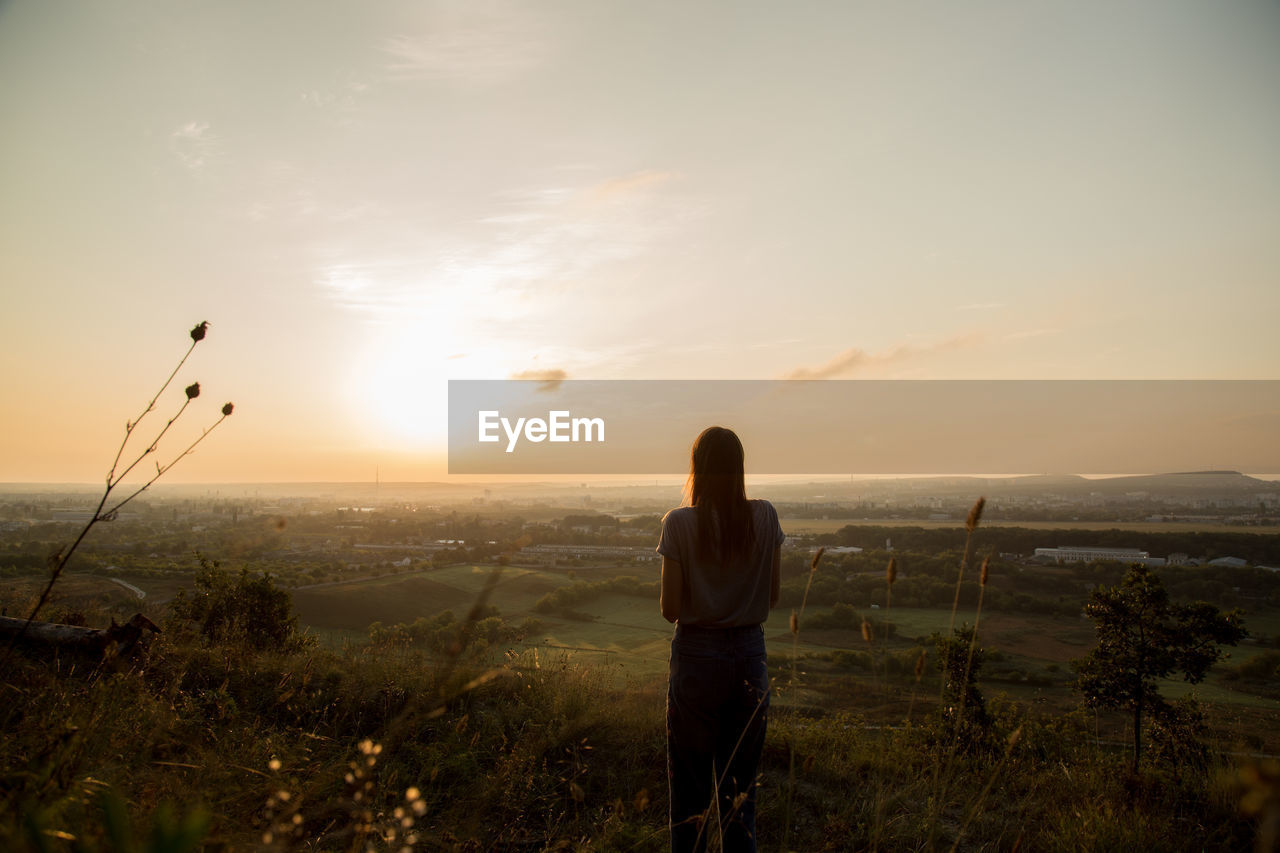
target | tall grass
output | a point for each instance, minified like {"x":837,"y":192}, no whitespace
{"x":792,"y":686}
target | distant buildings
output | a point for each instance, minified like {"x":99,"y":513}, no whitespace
{"x":1064,"y":554}
{"x":640,"y":554}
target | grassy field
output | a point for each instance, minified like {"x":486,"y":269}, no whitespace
{"x":629,"y":638}
{"x":74,"y":592}
{"x":558,"y":744}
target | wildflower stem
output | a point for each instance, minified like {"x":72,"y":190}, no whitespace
{"x":58,"y":562}
{"x":795,"y":653}
{"x":161,"y":469}
{"x":151,"y":448}
{"x":132,"y":425}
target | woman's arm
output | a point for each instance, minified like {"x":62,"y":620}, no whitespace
{"x":669,"y":594}
{"x":775,"y":578}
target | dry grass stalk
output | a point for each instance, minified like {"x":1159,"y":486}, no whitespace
{"x":795,"y":650}
{"x":971,"y":523}
{"x":890,"y":575}
{"x":975,"y":515}
{"x":991,"y":780}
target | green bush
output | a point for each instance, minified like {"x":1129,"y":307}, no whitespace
{"x":243,"y":609}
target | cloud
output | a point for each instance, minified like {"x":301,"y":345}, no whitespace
{"x":1031,"y":333}
{"x":550,"y":379}
{"x":616,"y":188}
{"x":194,"y":145}
{"x":855,"y":359}
{"x":516,"y":273}
{"x":525,"y":255}
{"x":469,"y":42}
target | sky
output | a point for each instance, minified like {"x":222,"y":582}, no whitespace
{"x":367,"y":199}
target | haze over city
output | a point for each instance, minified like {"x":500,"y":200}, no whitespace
{"x":368,"y":200}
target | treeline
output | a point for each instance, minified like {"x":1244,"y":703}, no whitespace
{"x":1257,"y":548}
{"x":566,"y":598}
{"x":848,"y":618}
{"x":445,"y":634}
{"x":929,"y":580}
{"x":922,"y":590}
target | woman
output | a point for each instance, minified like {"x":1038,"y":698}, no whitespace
{"x":720,"y":574}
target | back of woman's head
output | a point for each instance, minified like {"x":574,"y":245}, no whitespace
{"x":717,"y":491}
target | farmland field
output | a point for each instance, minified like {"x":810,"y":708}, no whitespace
{"x":832,"y":525}
{"x":627,"y":635}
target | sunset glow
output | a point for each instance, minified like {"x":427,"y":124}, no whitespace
{"x":366,"y":200}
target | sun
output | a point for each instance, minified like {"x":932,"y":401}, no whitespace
{"x":399,"y":384}
{"x":399,"y":390}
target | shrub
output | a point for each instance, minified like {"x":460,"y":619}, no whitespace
{"x":243,"y":609}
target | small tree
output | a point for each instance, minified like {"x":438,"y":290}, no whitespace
{"x":247,"y":609}
{"x":963,"y":710}
{"x":1143,"y":637}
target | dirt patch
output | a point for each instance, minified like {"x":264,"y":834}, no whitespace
{"x":1040,"y":637}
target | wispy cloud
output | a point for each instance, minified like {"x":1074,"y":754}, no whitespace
{"x":520,"y":272}
{"x":194,"y":145}
{"x":469,"y":42}
{"x":1031,"y":333}
{"x":549,"y":379}
{"x":541,"y":240}
{"x":855,"y":359}
{"x":616,"y":188}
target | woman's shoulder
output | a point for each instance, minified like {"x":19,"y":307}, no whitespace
{"x":765,"y":515}
{"x":680,"y":515}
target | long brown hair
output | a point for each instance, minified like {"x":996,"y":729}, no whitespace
{"x":717,"y":491}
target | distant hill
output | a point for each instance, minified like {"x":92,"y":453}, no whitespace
{"x":666,"y":491}
{"x":1203,"y":483}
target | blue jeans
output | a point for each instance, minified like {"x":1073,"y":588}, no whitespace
{"x":717,"y":712}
